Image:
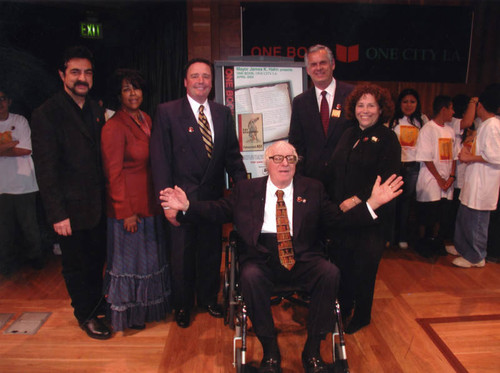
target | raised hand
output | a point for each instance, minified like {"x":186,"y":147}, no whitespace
{"x":383,"y":193}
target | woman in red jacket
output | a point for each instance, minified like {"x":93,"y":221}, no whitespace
{"x":137,"y":284}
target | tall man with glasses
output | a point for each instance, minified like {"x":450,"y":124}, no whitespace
{"x":66,"y":148}
{"x":280,"y":220}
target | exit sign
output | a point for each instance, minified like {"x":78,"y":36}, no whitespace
{"x":90,"y":30}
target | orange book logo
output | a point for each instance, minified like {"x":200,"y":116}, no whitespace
{"x":445,"y":149}
{"x":347,"y":54}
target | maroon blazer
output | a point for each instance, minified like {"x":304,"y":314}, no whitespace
{"x":125,"y":155}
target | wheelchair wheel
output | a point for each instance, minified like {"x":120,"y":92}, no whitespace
{"x":226,"y":295}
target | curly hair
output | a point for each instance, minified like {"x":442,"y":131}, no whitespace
{"x":382,"y":96}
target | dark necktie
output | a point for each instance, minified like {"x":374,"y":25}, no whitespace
{"x":285,"y":248}
{"x":324,"y":112}
{"x":206,"y":134}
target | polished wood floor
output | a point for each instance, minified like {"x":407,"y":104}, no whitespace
{"x":428,"y":316}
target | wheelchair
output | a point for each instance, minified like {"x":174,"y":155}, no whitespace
{"x":235,"y":312}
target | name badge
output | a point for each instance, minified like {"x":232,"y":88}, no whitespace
{"x":336,"y":113}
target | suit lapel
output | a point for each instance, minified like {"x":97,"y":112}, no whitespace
{"x":190,"y":127}
{"x":339,"y":99}
{"x":258,"y":205}
{"x":299,"y":203}
{"x":74,"y":119}
{"x":134,"y":128}
{"x":316,"y":126}
{"x":217,"y":151}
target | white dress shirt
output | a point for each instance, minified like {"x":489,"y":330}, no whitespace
{"x":269,"y":225}
{"x":330,"y":95}
{"x":195,"y":106}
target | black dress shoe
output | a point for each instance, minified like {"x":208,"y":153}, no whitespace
{"x":182,"y":317}
{"x":96,"y":329}
{"x":37,"y":263}
{"x":355,"y":326}
{"x":270,"y":364}
{"x":215,"y":310}
{"x":138,"y":327}
{"x":314,"y":364}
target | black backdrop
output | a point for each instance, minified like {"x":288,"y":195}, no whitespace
{"x":373,"y":42}
{"x":148,"y":36}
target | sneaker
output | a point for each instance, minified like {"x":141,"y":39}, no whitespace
{"x":450,"y":249}
{"x":403,"y":245}
{"x":464,"y":263}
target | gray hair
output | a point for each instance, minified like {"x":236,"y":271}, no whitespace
{"x":317,"y":48}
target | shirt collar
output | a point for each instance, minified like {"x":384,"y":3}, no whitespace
{"x":271,"y":188}
{"x":195,"y":105}
{"x":330,"y":89}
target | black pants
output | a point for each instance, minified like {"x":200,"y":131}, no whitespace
{"x":316,"y":275}
{"x":358,"y":253}
{"x":83,"y":256}
{"x":18,"y":219}
{"x":195,"y":257}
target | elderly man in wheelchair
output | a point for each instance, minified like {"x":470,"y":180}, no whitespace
{"x":280,"y":220}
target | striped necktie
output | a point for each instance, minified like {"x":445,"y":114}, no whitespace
{"x":206,"y":134}
{"x":285,"y":248}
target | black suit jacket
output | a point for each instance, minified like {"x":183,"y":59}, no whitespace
{"x":307,"y":134}
{"x":67,"y":160}
{"x":178,"y":156}
{"x":313,"y":213}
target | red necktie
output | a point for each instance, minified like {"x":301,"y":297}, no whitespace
{"x":324,"y":112}
{"x":285,"y":248}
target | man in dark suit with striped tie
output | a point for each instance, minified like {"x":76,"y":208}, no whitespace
{"x":193,"y":143}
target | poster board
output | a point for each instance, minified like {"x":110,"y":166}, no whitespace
{"x":259,"y":93}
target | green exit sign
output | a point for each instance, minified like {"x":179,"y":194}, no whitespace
{"x":90,"y":30}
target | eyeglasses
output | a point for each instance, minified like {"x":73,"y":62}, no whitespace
{"x":3,"y":98}
{"x":278,"y":158}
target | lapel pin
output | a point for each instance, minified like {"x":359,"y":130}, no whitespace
{"x":190,"y":129}
{"x":301,"y":200}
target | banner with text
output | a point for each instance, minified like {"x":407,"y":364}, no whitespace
{"x":370,"y":42}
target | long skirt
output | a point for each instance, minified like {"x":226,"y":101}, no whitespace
{"x":137,"y":280}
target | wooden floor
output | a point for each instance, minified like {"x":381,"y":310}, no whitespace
{"x":428,"y":317}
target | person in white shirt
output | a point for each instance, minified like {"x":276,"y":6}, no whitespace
{"x":407,"y":122}
{"x":479,"y":194}
{"x":18,"y":188}
{"x":437,"y":152}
